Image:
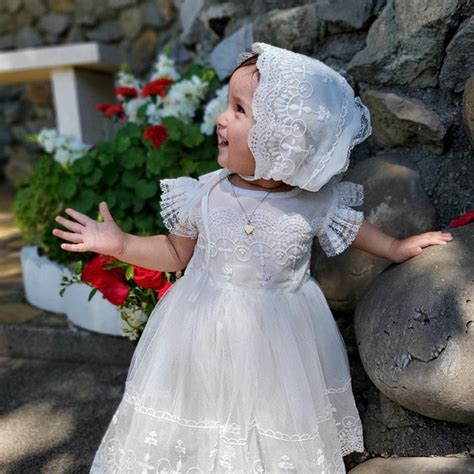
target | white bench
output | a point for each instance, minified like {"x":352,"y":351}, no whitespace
{"x":82,"y":75}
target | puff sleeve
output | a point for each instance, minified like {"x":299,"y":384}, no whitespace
{"x":341,"y":223}
{"x":176,"y":194}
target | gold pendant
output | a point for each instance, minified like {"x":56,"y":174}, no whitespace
{"x":249,"y":227}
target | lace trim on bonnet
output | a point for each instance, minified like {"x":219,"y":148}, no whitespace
{"x":307,"y":119}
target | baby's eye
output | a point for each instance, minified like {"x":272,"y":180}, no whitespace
{"x":239,"y":107}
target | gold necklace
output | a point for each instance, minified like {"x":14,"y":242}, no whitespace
{"x":248,"y":227}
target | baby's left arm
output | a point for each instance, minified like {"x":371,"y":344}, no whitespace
{"x":373,"y":240}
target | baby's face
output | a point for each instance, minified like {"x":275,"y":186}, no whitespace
{"x":235,"y":122}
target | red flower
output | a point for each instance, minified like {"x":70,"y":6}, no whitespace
{"x":114,"y":109}
{"x":157,"y":87}
{"x":123,"y":92}
{"x":165,"y":286}
{"x":147,"y":278}
{"x":462,"y":220}
{"x":111,"y":283}
{"x":102,"y":106}
{"x":116,"y":292}
{"x":156,"y":133}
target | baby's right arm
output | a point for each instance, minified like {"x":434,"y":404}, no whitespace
{"x":158,"y":252}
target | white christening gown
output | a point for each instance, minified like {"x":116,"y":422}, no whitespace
{"x":241,"y":367}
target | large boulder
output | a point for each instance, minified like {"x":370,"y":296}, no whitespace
{"x":458,"y":64}
{"x":405,"y":44}
{"x":398,"y":120}
{"x":395,"y":202}
{"x":415,"y":330}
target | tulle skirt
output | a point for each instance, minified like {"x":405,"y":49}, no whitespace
{"x":236,"y":382}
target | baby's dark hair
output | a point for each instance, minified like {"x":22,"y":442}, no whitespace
{"x":249,"y":61}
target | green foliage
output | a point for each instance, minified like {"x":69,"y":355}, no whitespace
{"x":125,"y":172}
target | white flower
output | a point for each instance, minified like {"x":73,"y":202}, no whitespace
{"x":184,"y":98}
{"x":213,"y":109}
{"x":153,"y":112}
{"x":64,"y":148}
{"x":131,"y":109}
{"x":164,"y":67}
{"x":135,"y":316}
{"x":125,"y":79}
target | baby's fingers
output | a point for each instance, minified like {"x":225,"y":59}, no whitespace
{"x":68,"y":236}
{"x":104,"y":210}
{"x":82,"y":218}
{"x":74,"y":247}
{"x":76,"y":227}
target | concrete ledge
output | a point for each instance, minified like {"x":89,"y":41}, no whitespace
{"x":36,"y":64}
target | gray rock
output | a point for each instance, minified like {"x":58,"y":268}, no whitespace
{"x":216,"y":17}
{"x":131,"y":21}
{"x":89,"y":12}
{"x":283,"y":28}
{"x":468,"y":109}
{"x":27,"y":38}
{"x":106,"y":32}
{"x":224,"y":56}
{"x":341,"y":47}
{"x":35,"y":8}
{"x":259,"y":7}
{"x":405,"y":43}
{"x":394,"y":202}
{"x":418,"y":465}
{"x":54,"y":23}
{"x":458,"y":64}
{"x":343,"y":15}
{"x":7,"y":42}
{"x":415,"y":326}
{"x":158,"y":15}
{"x":403,"y":121}
{"x":121,"y":3}
{"x":14,"y":5}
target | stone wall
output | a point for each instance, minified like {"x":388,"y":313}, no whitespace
{"x":410,"y":61}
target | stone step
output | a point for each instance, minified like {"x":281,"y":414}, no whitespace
{"x":29,"y":332}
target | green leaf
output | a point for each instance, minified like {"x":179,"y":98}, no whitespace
{"x":145,"y":189}
{"x":78,"y":267}
{"x":83,"y":166}
{"x":67,"y":187}
{"x":94,"y":177}
{"x":174,"y":127}
{"x":123,"y":142}
{"x":129,"y":272}
{"x":129,"y":178}
{"x":193,"y":136}
{"x":92,"y":293}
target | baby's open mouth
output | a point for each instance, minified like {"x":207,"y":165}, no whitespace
{"x":223,"y":143}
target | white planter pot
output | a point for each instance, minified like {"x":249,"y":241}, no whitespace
{"x":98,"y":314}
{"x":41,"y":279}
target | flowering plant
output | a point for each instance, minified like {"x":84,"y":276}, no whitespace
{"x":135,"y":290}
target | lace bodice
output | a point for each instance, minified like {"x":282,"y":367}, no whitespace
{"x":277,"y":253}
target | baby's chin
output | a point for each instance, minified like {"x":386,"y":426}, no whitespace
{"x":235,"y":169}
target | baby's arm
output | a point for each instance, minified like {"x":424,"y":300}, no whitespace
{"x":159,"y":252}
{"x":373,"y":240}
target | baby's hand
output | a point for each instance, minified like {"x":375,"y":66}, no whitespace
{"x":91,"y":236}
{"x":404,"y":249}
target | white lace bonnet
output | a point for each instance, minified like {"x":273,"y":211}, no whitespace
{"x":307,"y":119}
